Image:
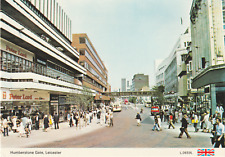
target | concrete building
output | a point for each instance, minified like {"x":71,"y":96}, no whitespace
{"x":208,"y":56}
{"x":139,"y":81}
{"x":39,"y":67}
{"x":160,"y":67}
{"x":97,"y":74}
{"x":128,"y":86}
{"x":175,"y":86}
{"x":123,"y":85}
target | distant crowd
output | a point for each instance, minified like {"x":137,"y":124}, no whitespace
{"x":78,"y":118}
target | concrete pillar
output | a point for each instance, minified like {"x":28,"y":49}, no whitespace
{"x":213,"y":98}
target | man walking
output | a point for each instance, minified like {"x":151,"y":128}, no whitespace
{"x":37,"y":120}
{"x":184,"y":127}
{"x":56,"y":121}
{"x":6,"y":127}
{"x":219,"y":133}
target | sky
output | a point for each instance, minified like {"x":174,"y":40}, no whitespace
{"x":129,"y":35}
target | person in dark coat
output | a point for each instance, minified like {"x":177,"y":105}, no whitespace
{"x":37,"y":120}
{"x":138,"y":117}
{"x":184,"y":127}
{"x":46,"y":123}
{"x":56,"y":121}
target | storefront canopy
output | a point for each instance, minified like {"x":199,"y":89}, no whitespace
{"x":211,"y":75}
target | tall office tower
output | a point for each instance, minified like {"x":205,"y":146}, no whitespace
{"x":123,"y":85}
{"x":139,"y":81}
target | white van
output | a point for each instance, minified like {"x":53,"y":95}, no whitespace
{"x":117,"y":107}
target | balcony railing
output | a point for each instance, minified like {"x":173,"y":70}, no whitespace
{"x":13,"y":64}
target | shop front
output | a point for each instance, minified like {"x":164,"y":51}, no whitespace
{"x":23,"y":102}
{"x":62,"y":105}
{"x":211,"y":88}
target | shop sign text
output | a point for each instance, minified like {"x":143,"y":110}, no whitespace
{"x":23,"y":97}
{"x":15,"y":51}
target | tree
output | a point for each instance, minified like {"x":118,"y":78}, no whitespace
{"x":84,"y":99}
{"x":133,"y":100}
{"x":158,"y":93}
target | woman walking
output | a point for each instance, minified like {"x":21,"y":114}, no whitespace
{"x":196,"y":122}
{"x":171,"y":121}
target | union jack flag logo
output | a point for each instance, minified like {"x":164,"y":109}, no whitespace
{"x":205,"y":152}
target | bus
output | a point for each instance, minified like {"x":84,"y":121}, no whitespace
{"x":154,"y":110}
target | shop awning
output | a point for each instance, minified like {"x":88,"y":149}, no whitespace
{"x":211,"y":75}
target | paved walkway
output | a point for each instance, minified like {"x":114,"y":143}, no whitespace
{"x":65,"y":132}
{"x":191,"y":129}
{"x":39,"y":136}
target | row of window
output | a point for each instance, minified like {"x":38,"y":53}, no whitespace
{"x":12,"y":63}
{"x":53,"y":12}
{"x":93,"y":82}
{"x":85,"y":41}
{"x":88,"y":67}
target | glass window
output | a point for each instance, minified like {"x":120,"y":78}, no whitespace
{"x":16,"y":64}
{"x":9,"y":67}
{"x":13,"y":64}
{"x":4,"y":61}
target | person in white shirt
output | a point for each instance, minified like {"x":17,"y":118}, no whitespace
{"x":219,"y":134}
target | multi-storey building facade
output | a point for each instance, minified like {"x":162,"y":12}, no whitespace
{"x":175,"y":86}
{"x":97,"y":74}
{"x":208,"y":56}
{"x":160,"y":66}
{"x":140,"y":81}
{"x":39,"y":67}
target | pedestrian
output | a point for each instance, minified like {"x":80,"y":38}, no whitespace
{"x":161,"y":115}
{"x":111,"y":119}
{"x":219,"y":134}
{"x":50,"y":121}
{"x":98,"y":117}
{"x":37,"y":120}
{"x":138,"y":117}
{"x":176,"y":116}
{"x":165,"y":115}
{"x":71,"y":120}
{"x":5,"y":124}
{"x":202,"y":120}
{"x":14,"y":121}
{"x":76,"y":117}
{"x":220,"y":109}
{"x":156,"y":124}
{"x":107,"y":119}
{"x":46,"y":123}
{"x":171,"y":121}
{"x":56,"y":121}
{"x":195,"y":120}
{"x":29,"y":124}
{"x":184,"y":127}
{"x":21,"y":129}
{"x":207,"y":122}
